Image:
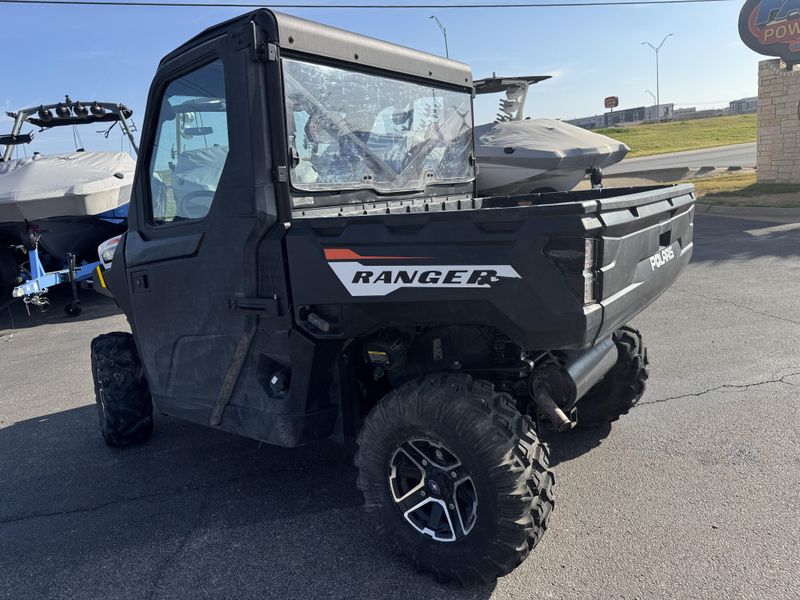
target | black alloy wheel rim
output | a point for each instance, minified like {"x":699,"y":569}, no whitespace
{"x":433,"y":490}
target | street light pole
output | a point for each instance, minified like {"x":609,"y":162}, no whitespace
{"x":657,"y":49}
{"x":444,"y":33}
{"x":652,"y":95}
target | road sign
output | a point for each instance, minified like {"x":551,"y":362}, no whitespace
{"x":611,"y":102}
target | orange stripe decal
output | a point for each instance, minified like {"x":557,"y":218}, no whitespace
{"x":347,"y":254}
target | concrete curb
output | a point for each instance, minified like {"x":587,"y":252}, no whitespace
{"x":770,"y":212}
{"x":672,"y":174}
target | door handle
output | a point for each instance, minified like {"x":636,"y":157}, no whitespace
{"x":140,"y":282}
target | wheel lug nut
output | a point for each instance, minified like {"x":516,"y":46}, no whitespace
{"x":424,"y":463}
{"x":453,"y":474}
{"x":452,"y":506}
{"x":422,"y":493}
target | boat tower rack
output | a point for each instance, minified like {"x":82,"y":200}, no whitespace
{"x":68,"y":112}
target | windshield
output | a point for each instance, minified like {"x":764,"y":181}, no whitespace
{"x":352,"y":130}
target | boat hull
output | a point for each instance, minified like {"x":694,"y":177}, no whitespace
{"x":58,"y":236}
{"x":71,"y":184}
{"x":517,"y":157}
{"x":68,"y":204}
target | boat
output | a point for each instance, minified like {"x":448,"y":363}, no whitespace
{"x":55,"y":209}
{"x":518,"y":155}
{"x":73,"y":183}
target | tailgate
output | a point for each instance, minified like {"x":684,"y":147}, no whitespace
{"x":646,"y":241}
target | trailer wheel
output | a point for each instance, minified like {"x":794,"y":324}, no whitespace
{"x":455,"y":478}
{"x":123,"y":397}
{"x":622,"y":388}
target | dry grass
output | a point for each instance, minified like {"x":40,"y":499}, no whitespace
{"x":742,"y":189}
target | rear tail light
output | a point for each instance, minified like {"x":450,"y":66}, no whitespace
{"x":106,"y":250}
{"x":588,"y":253}
{"x":576,"y":259}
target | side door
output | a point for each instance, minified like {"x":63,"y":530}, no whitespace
{"x":200,"y":211}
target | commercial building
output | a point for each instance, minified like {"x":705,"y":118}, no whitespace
{"x":743,"y":106}
{"x":668,"y":112}
{"x":626,"y":116}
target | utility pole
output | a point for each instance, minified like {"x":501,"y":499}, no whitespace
{"x":444,"y":33}
{"x":657,"y":49}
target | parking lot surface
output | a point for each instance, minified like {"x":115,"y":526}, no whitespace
{"x":694,"y":494}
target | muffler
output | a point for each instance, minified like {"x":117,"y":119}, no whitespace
{"x":557,"y":385}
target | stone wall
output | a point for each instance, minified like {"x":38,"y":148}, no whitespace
{"x":778,"y":123}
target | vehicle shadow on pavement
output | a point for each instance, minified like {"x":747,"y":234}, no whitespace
{"x":192,"y":513}
{"x":569,"y":445}
{"x":93,"y":305}
{"x":727,"y":238}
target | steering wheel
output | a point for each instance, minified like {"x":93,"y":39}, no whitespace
{"x":194,"y":205}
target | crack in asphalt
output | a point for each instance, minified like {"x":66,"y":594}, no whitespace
{"x":172,"y":555}
{"x":726,"y":386}
{"x":127,"y":499}
{"x":737,"y":305}
{"x":123,"y":500}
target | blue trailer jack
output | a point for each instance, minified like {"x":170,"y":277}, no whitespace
{"x":33,"y":291}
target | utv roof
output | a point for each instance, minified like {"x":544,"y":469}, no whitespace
{"x":307,"y":37}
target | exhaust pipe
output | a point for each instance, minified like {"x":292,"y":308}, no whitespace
{"x":551,"y":411}
{"x":556,"y":388}
{"x":585,"y":368}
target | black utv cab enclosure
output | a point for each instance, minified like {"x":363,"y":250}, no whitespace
{"x":305,"y":239}
{"x":260,"y":288}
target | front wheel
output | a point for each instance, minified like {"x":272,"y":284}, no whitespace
{"x":124,"y":406}
{"x":455,"y":477}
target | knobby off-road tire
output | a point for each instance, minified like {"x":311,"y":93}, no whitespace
{"x":463,"y":422}
{"x":123,"y":397}
{"x":622,"y":388}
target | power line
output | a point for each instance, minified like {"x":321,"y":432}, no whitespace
{"x":137,"y":3}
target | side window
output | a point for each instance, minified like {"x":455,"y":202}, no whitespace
{"x":191,"y":146}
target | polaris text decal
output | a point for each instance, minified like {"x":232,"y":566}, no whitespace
{"x":361,"y":278}
{"x":662,"y":257}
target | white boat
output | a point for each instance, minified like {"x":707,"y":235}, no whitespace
{"x":62,"y":204}
{"x":74,"y":184}
{"x":517,"y":155}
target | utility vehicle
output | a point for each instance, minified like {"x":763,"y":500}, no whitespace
{"x":338,"y":277}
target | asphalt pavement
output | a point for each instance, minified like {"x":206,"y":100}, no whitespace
{"x":738,"y":155}
{"x":694,"y":494}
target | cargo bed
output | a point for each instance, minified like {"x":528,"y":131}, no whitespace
{"x":641,"y":239}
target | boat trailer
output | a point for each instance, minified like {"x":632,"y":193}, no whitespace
{"x":33,"y":291}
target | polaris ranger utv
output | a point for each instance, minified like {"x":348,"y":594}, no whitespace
{"x":306,"y":258}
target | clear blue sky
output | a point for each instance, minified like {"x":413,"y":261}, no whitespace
{"x":111,"y":53}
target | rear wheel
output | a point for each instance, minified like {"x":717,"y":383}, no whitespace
{"x":123,"y":398}
{"x":73,"y":309}
{"x":455,"y":477}
{"x":622,"y":387}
